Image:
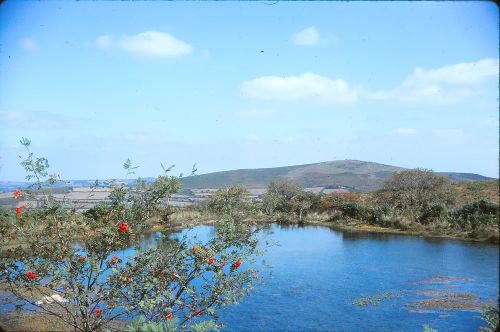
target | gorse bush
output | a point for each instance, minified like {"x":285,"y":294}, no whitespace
{"x":432,"y":212}
{"x":353,"y":210}
{"x":475,"y":214}
{"x":379,"y":215}
{"x":75,"y":257}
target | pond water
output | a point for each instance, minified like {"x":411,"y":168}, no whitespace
{"x":317,"y":274}
{"x":326,"y":280}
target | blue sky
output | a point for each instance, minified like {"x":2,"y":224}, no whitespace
{"x":232,"y":85}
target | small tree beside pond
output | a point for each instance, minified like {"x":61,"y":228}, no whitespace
{"x":70,"y":265}
{"x":302,"y":202}
{"x":232,"y":202}
{"x":279,"y":194}
{"x":286,"y":197}
{"x":414,"y":189}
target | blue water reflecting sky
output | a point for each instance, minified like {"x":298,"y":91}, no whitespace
{"x":317,"y":273}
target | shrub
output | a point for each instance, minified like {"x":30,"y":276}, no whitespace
{"x":329,"y":203}
{"x":379,"y":215}
{"x":353,"y":210}
{"x":401,"y":222}
{"x":232,"y":201}
{"x":140,"y":324}
{"x":416,"y":188}
{"x":432,"y":212}
{"x":286,"y":198}
{"x":302,"y":203}
{"x":475,"y":214}
{"x":272,"y":202}
{"x":7,"y":219}
{"x":279,"y":195}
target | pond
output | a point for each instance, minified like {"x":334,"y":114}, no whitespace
{"x":326,"y":280}
{"x":318,"y":273}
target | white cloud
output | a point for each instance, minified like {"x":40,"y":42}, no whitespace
{"x":104,"y":41}
{"x":149,"y":44}
{"x":461,"y":73}
{"x":307,"y":37}
{"x":439,"y":86}
{"x":407,"y":131}
{"x":257,"y":114}
{"x":28,"y":44}
{"x":306,"y":87}
{"x":444,"y":85}
{"x":155,"y":44}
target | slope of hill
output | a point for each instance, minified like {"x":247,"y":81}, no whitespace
{"x":355,"y":174}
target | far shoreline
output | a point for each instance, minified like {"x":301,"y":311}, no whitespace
{"x":339,"y":226}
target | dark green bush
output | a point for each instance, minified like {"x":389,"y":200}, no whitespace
{"x":475,"y":214}
{"x":7,"y":219}
{"x":375,"y":216}
{"x":432,"y":213}
{"x":97,"y":212}
{"x":379,"y":215}
{"x":353,"y":210}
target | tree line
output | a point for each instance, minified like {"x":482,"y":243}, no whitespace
{"x":410,"y":200}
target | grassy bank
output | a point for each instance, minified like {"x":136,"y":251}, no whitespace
{"x":189,"y":217}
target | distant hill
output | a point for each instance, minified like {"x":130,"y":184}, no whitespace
{"x":461,"y":177}
{"x":353,"y":174}
{"x":7,"y":186}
